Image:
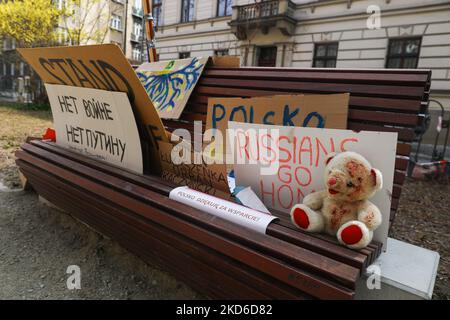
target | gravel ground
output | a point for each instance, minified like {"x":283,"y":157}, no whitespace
{"x":423,"y":219}
{"x":37,"y":243}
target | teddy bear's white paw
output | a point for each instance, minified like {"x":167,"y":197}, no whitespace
{"x":313,"y":200}
{"x":306,"y":219}
{"x":354,"y":234}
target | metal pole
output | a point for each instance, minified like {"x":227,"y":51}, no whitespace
{"x":149,"y":30}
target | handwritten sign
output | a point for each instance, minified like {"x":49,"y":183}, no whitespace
{"x":101,"y":67}
{"x":301,"y":153}
{"x":230,"y":211}
{"x":208,"y":178}
{"x":96,"y":123}
{"x":170,"y":84}
{"x":321,"y":111}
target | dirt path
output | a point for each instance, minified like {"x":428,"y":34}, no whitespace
{"x":37,"y":244}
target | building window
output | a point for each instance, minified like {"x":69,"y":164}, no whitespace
{"x":116,"y":22}
{"x":267,"y":56}
{"x":187,"y":10}
{"x":184,"y":55}
{"x":137,"y":33}
{"x":403,"y":53}
{"x":136,"y":53}
{"x":224,"y":8}
{"x":157,"y":12}
{"x":325,"y":55}
{"x":13,"y":69}
{"x":220,"y":53}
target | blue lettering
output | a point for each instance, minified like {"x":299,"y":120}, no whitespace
{"x":215,"y":117}
{"x":236,"y":109}
{"x":320,"y":119}
{"x":267,"y":115}
{"x":287,"y":116}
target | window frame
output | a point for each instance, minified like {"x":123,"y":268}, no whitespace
{"x":227,"y":51}
{"x":403,"y":56}
{"x":158,"y":18}
{"x":258,"y":51}
{"x":183,"y":53}
{"x":183,"y":18}
{"x":225,"y":12}
{"x":325,"y":58}
{"x":116,"y":19}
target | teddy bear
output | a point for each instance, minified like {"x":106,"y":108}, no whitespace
{"x":343,"y":209}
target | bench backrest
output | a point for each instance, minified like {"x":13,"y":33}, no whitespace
{"x":380,"y":99}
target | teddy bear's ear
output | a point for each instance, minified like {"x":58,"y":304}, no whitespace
{"x":377,"y":178}
{"x":330,"y":156}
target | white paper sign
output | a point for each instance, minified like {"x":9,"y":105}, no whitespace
{"x":302,"y":153}
{"x":249,"y":199}
{"x":226,"y":210}
{"x":96,"y":123}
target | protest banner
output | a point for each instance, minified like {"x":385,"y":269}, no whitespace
{"x":169,"y":84}
{"x":101,"y":67}
{"x":195,"y":173}
{"x":96,"y":123}
{"x":321,"y":111}
{"x":301,"y":154}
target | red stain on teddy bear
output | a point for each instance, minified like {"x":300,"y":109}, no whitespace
{"x":336,"y":216}
{"x":355,"y":169}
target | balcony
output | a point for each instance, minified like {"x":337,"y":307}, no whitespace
{"x":137,"y":12}
{"x":136,"y":37}
{"x":263,"y":15}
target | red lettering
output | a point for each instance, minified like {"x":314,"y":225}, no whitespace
{"x":239,"y":134}
{"x":319,"y":146}
{"x":253,"y":141}
{"x":300,"y":195}
{"x":269,"y":150}
{"x":308,"y":174}
{"x":287,"y":176}
{"x":289,"y":156}
{"x":290,"y":196}
{"x":345,"y":141}
{"x":270,"y":193}
{"x":308,"y":150}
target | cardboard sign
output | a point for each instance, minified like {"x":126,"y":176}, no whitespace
{"x":210,"y":179}
{"x":96,"y":123}
{"x":230,"y":211}
{"x":101,"y":67}
{"x":226,"y":61}
{"x":300,"y":170}
{"x":169,"y":84}
{"x":321,"y":111}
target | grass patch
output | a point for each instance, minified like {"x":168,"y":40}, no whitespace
{"x":17,"y":122}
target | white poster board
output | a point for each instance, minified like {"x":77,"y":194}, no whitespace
{"x":96,"y":123}
{"x":227,"y":210}
{"x":302,"y":153}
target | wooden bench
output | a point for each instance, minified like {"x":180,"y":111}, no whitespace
{"x":215,"y":257}
{"x":380,"y":99}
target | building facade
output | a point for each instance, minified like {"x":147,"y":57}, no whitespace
{"x":313,"y":33}
{"x":271,"y":33}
